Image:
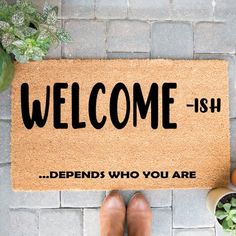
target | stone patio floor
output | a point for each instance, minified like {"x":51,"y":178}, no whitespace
{"x":175,"y":29}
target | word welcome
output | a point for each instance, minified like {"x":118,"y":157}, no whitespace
{"x":138,"y":102}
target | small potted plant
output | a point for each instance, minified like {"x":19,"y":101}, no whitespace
{"x":222,"y":204}
{"x":26,"y":34}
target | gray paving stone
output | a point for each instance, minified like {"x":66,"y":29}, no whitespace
{"x":5,"y":104}
{"x":149,"y":10}
{"x":54,"y":52}
{"x":225,"y":9}
{"x":60,"y":222}
{"x":12,"y":199}
{"x":189,"y":209}
{"x":198,"y":10}
{"x":82,"y":198}
{"x":232,"y":77}
{"x":35,"y":200}
{"x":24,"y":223}
{"x":4,"y":222}
{"x":232,"y":139}
{"x":81,"y":9}
{"x":127,"y":55}
{"x":158,"y":198}
{"x":106,"y":9}
{"x":232,"y":87}
{"x":5,"y":128}
{"x":40,"y":3}
{"x":211,"y":38}
{"x":232,"y":167}
{"x":162,"y":222}
{"x":91,"y":222}
{"x":172,"y":40}
{"x":25,"y":199}
{"x":5,"y":193}
{"x":194,"y":232}
{"x":88,"y":39}
{"x":128,"y":36}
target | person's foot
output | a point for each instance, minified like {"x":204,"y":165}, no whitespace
{"x":112,"y":215}
{"x":139,"y":216}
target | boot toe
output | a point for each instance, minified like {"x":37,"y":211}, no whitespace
{"x":114,"y":201}
{"x":139,"y":203}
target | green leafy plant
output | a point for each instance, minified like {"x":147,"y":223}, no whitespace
{"x":27,"y":33}
{"x":226,"y":215}
{"x":6,"y":70}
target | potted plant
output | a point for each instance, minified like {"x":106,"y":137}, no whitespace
{"x":26,"y":34}
{"x":222,"y":204}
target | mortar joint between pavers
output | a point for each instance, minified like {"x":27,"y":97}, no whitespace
{"x":106,"y":36}
{"x":5,"y":164}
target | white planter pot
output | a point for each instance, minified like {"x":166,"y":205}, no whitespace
{"x":214,"y":196}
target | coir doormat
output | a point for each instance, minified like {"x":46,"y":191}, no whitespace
{"x":120,"y":124}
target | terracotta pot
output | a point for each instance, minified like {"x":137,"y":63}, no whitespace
{"x":6,"y":70}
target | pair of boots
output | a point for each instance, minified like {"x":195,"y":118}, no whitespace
{"x":113,"y":214}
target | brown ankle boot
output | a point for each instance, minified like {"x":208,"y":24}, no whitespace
{"x":139,"y":216}
{"x":112,"y":215}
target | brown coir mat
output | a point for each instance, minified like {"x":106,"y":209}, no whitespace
{"x":120,"y":124}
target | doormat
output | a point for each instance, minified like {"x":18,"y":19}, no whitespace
{"x":120,"y":124}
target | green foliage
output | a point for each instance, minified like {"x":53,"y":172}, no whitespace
{"x":27,"y":33}
{"x":226,"y":215}
{"x":6,"y":70}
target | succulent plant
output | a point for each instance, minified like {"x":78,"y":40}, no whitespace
{"x":27,"y":33}
{"x":226,"y":215}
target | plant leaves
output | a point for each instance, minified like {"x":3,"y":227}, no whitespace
{"x":52,"y":18}
{"x":28,"y":31}
{"x":220,"y":205}
{"x":221,"y":214}
{"x":233,"y":202}
{"x":19,"y":43}
{"x":21,"y":58}
{"x":227,"y":206}
{"x":4,"y":25}
{"x":233,"y":218}
{"x":46,"y":8}
{"x":3,"y":4}
{"x":7,"y":39}
{"x":232,"y":212}
{"x":65,"y":37}
{"x":18,"y":18}
{"x":6,"y":70}
{"x":38,"y":52}
{"x":43,"y":35}
{"x":230,"y":223}
{"x":225,"y":225}
{"x":19,"y":33}
{"x":23,"y":3}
